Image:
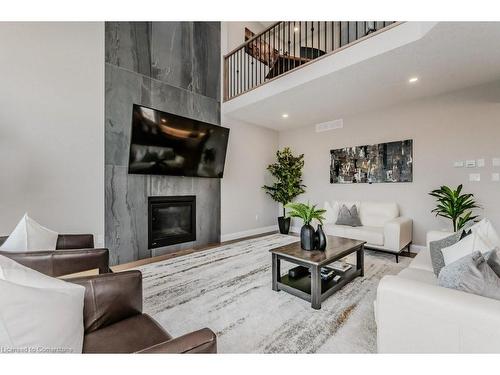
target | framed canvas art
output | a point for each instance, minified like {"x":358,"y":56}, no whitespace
{"x":383,"y":162}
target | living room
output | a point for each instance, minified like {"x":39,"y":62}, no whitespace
{"x":184,"y":184}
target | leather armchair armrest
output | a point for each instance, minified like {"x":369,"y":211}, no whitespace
{"x":398,"y":233}
{"x":63,"y":262}
{"x":110,"y":298}
{"x":201,"y":341}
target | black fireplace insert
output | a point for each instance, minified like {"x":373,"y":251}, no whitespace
{"x":171,"y":220}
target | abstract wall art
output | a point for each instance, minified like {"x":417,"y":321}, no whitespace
{"x":383,"y":162}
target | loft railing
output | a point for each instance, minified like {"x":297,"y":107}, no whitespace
{"x":286,"y":46}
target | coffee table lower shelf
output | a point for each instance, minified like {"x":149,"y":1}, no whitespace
{"x":301,"y":287}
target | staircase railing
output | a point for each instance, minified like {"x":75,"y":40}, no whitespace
{"x":289,"y":45}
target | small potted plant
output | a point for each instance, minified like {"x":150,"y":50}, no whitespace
{"x":287,"y":172}
{"x":308,"y":213}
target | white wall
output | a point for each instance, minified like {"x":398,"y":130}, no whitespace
{"x":234,"y":32}
{"x":245,"y":207}
{"x":52,"y":126}
{"x":459,"y":126}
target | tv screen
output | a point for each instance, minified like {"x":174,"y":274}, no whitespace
{"x":166,"y":144}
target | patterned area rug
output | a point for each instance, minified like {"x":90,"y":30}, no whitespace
{"x":228,"y":289}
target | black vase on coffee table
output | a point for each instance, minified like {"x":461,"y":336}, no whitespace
{"x":307,"y":237}
{"x":320,"y":238}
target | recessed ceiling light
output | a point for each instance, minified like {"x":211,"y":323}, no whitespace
{"x":413,"y":79}
{"x":284,"y":115}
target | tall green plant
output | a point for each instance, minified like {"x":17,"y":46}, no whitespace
{"x":287,"y":172}
{"x":306,"y":212}
{"x":453,"y":205}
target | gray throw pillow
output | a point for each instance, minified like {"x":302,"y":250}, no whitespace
{"x":493,"y":259}
{"x":435,"y":247}
{"x":348,"y":216}
{"x":471,"y":274}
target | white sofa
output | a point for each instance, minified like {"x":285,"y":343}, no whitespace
{"x":383,"y":229}
{"x":415,"y":315}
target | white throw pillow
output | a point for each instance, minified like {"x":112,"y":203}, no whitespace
{"x":467,"y":245}
{"x":38,"y":313}
{"x":485,"y":229}
{"x":28,"y":235}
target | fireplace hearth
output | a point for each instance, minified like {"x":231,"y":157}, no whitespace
{"x":171,"y":220}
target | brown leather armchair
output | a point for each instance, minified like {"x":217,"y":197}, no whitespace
{"x":114,"y":322}
{"x":74,"y":253}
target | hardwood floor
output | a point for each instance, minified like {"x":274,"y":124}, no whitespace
{"x":141,"y":262}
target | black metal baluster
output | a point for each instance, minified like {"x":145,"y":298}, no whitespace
{"x":259,"y":64}
{"x":235,"y":74}
{"x":251,"y":67}
{"x":333,"y":36}
{"x":268,"y":53}
{"x":280,"y":49}
{"x":256,"y":64}
{"x":288,"y":46}
{"x":325,"y":23}
{"x":247,"y":75}
{"x":277,"y":56}
{"x":340,"y":34}
{"x":312,"y":39}
{"x":305,"y":37}
{"x":319,"y":40}
{"x":294,"y":45}
{"x":300,"y":43}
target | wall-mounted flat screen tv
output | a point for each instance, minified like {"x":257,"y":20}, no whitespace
{"x":166,"y":144}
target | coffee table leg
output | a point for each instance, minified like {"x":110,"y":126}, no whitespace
{"x":360,"y":260}
{"x":315,"y":288}
{"x":276,"y":272}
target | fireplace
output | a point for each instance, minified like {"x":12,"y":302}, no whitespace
{"x":171,"y":220}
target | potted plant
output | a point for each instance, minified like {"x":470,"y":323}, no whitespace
{"x":307,"y":213}
{"x":454,"y":205}
{"x":287,"y":172}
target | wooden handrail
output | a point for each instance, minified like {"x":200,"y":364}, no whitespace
{"x":246,"y":43}
{"x":276,"y":51}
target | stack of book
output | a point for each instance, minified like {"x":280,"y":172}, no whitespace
{"x":340,"y":266}
{"x":327,"y":274}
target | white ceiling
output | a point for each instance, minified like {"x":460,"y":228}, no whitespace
{"x":449,"y":56}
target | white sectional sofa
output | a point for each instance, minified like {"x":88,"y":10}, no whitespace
{"x":382,"y":227}
{"x":415,"y":315}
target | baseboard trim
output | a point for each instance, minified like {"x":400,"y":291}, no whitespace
{"x":248,"y":233}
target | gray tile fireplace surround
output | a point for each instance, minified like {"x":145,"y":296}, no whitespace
{"x":173,"y":67}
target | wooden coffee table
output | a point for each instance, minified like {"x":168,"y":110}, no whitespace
{"x":312,"y":288}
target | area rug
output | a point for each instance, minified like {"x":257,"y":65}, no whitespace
{"x":228,"y":289}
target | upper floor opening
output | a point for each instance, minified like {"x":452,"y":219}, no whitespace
{"x":285,"y":46}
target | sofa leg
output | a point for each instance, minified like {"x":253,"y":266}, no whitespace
{"x":397,"y":258}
